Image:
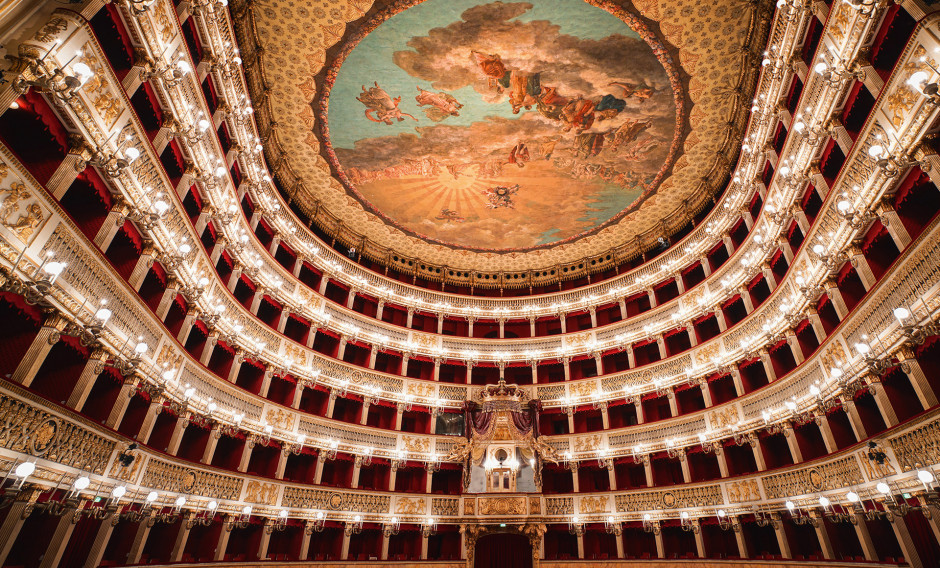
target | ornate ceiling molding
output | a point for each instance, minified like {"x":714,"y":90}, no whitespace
{"x":696,"y":37}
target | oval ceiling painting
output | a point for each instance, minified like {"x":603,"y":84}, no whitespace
{"x":502,"y":125}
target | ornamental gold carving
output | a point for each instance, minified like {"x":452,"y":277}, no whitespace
{"x":469,"y":506}
{"x":261,"y":493}
{"x":502,"y":505}
{"x":594,"y":504}
{"x":582,"y":389}
{"x":420,"y":390}
{"x":535,"y":506}
{"x":587,"y":443}
{"x":410,"y":506}
{"x":50,"y":30}
{"x":919,"y":447}
{"x":416,"y":445}
{"x":424,"y":341}
{"x":744,"y":490}
{"x":20,"y":211}
{"x":279,"y":418}
{"x":723,"y":417}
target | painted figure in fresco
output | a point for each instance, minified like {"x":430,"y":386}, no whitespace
{"x":546,"y":148}
{"x":501,"y":196}
{"x":641,"y":92}
{"x":578,"y":114}
{"x":590,"y":143}
{"x":524,"y":90}
{"x":457,"y":169}
{"x":450,"y":215}
{"x":382,"y":105}
{"x":608,"y":107}
{"x":628,"y":133}
{"x":519,"y":155}
{"x":494,"y":69}
{"x":441,"y":106}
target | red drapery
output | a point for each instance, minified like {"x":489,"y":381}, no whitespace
{"x":503,"y":550}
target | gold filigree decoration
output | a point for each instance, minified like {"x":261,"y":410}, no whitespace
{"x":261,"y":493}
{"x":410,"y":506}
{"x":502,"y":505}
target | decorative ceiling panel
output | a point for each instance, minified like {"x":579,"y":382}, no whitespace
{"x":495,"y":136}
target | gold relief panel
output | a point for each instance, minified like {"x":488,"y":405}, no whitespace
{"x":20,"y":211}
{"x":416,"y":445}
{"x":837,"y":474}
{"x":577,"y":340}
{"x":706,"y":354}
{"x":555,"y":506}
{"x":30,"y":430}
{"x":445,"y":506}
{"x":425,"y":341}
{"x":502,"y":505}
{"x":469,"y":506}
{"x":723,"y":417}
{"x":279,"y":418}
{"x":917,"y":448}
{"x":535,"y":506}
{"x":295,"y":354}
{"x":582,"y":388}
{"x":420,"y":389}
{"x":410,"y":506}
{"x":50,"y":30}
{"x":742,"y":491}
{"x":179,"y":479}
{"x":261,"y":493}
{"x":701,"y":496}
{"x":875,"y":462}
{"x":587,"y":443}
{"x":593,"y":504}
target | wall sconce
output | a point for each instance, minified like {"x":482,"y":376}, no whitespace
{"x":800,"y":517}
{"x":279,"y":524}
{"x":687,"y":524}
{"x":353,"y":526}
{"x":391,"y":527}
{"x":576,"y":526}
{"x":434,"y":463}
{"x":429,"y":527}
{"x":204,"y":518}
{"x":60,"y":83}
{"x":649,"y":525}
{"x":613,"y":526}
{"x":889,"y":164}
{"x":114,"y":164}
{"x":329,"y":453}
{"x":317,"y":524}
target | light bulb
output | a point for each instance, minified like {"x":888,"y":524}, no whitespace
{"x":824,"y":501}
{"x":789,"y":505}
{"x":902,"y":313}
{"x":152,"y":496}
{"x":180,"y":501}
{"x":852,"y":497}
{"x":81,"y":483}
{"x":212,"y":506}
{"x":118,"y":491}
{"x":132,"y":153}
{"x":721,"y":513}
{"x":25,"y":469}
{"x":882,"y":487}
{"x":925,"y":476}
{"x":282,"y":514}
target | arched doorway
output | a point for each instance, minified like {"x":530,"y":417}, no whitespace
{"x":503,"y":549}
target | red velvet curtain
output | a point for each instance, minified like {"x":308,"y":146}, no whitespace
{"x":503,"y":550}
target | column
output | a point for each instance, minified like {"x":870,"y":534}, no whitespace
{"x":234,"y":277}
{"x":769,"y":276}
{"x":839,"y":133}
{"x":884,"y":405}
{"x":344,"y":550}
{"x":93,"y":367}
{"x":166,"y":301}
{"x":862,"y":268}
{"x":816,"y":323}
{"x":673,"y":405}
{"x":305,"y":541}
{"x":660,"y":549}
{"x":782,"y":541}
{"x":825,"y":431}
{"x":720,"y":320}
{"x":699,"y":542}
{"x":823,"y":535}
{"x":623,"y":313}
{"x":282,"y":320}
{"x":864,"y":537}
{"x":140,"y":540}
{"x":60,"y":538}
{"x":835,"y":296}
{"x":149,"y":420}
{"x":424,"y":547}
{"x":746,"y":299}
{"x":786,"y":249}
{"x":209,"y":348}
{"x":47,"y":336}
{"x":736,"y":380}
{"x":706,"y":266}
{"x":211,"y":444}
{"x":758,"y":455}
{"x":690,"y":330}
{"x":120,"y":405}
{"x":113,"y":222}
{"x":854,"y":419}
{"x":706,"y":393}
{"x":768,"y":364}
{"x":739,"y":538}
{"x":318,"y":470}
{"x":187,"y":326}
{"x":384,"y":555}
{"x":792,"y":443}
{"x":265,"y":540}
{"x":661,"y":343}
{"x":256,"y":299}
{"x":236,"y":366}
{"x":648,"y":470}
{"x":722,"y":462}
{"x":246,"y":454}
{"x":13,"y":523}
{"x":266,"y":381}
{"x":638,"y":408}
{"x":729,"y":244}
{"x":357,"y":467}
{"x":795,"y":348}
{"x":179,"y":429}
{"x":891,"y":221}
{"x":915,"y":373}
{"x":101,"y":541}
{"x":73,"y":164}
{"x":684,"y":464}
{"x":179,"y":545}
{"x":651,"y":294}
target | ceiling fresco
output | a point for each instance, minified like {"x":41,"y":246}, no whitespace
{"x":500,"y":136}
{"x":502,"y":125}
